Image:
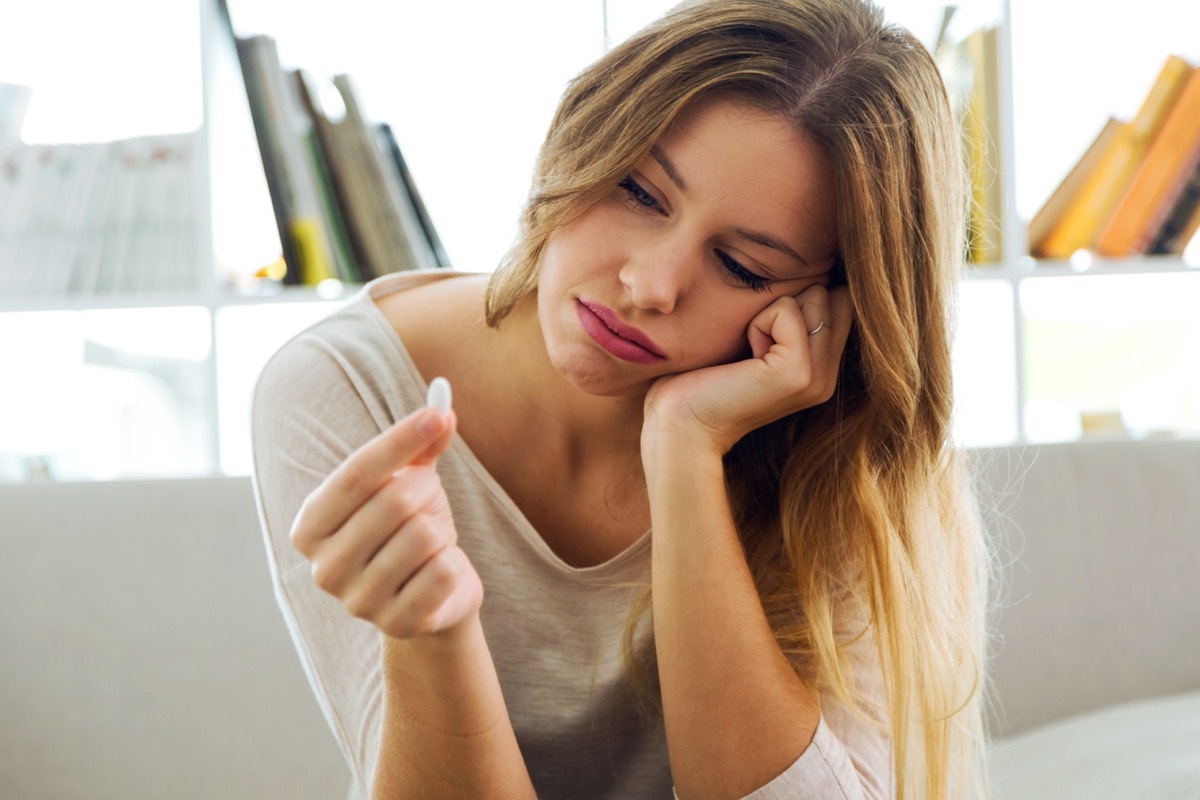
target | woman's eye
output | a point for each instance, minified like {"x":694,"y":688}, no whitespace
{"x":634,"y":193}
{"x":740,"y":274}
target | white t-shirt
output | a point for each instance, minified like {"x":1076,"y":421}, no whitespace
{"x":554,"y":630}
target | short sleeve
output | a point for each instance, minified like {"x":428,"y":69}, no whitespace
{"x":314,"y":404}
{"x":850,"y":755}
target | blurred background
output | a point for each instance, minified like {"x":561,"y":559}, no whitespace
{"x":151,"y":377}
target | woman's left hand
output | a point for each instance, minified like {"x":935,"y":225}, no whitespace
{"x":790,"y":369}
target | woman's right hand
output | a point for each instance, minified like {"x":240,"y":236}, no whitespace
{"x":380,"y":537}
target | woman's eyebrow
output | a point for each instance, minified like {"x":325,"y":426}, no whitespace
{"x":767,"y":240}
{"x":667,"y":167}
{"x":758,"y":237}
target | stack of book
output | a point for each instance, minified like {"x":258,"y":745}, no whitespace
{"x":345,"y":203}
{"x":99,"y":217}
{"x":1136,"y":190}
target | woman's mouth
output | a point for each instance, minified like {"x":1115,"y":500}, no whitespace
{"x":623,"y":341}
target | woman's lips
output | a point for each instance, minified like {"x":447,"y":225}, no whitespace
{"x":623,"y":341}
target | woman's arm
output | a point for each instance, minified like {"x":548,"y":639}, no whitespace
{"x":380,"y":538}
{"x":446,"y":731}
{"x":736,"y":714}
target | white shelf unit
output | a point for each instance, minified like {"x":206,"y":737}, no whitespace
{"x":1014,"y":272}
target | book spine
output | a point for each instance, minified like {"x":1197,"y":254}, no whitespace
{"x":53,"y":261}
{"x":324,"y":162}
{"x":1188,"y":232}
{"x":1166,"y":203}
{"x":410,"y":234}
{"x":362,"y":220}
{"x":303,"y":220}
{"x":268,"y":153}
{"x":1161,"y":98}
{"x":86,"y":272}
{"x":392,"y":251}
{"x":14,"y":186}
{"x":440,"y":259}
{"x":1069,"y":191}
{"x":319,"y":261}
{"x":1180,"y":225}
{"x":982,"y":136}
{"x":1079,"y":225}
{"x":91,"y":158}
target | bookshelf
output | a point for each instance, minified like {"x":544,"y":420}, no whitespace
{"x":1116,"y":317}
{"x":1002,"y":350}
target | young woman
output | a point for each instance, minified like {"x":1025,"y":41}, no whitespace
{"x":695,"y":523}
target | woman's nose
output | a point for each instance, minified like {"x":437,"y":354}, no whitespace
{"x":658,"y":276}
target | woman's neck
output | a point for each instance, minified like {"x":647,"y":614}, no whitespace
{"x":549,"y":415}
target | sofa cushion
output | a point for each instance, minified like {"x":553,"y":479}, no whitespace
{"x":1147,"y":750}
{"x":144,"y":655}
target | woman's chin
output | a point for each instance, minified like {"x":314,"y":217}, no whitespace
{"x":594,"y":377}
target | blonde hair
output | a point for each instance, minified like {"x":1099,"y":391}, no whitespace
{"x":858,"y":507}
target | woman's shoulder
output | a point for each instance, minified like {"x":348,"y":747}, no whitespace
{"x":364,"y":347}
{"x":419,"y":304}
{"x":440,"y":321}
{"x":379,"y":328}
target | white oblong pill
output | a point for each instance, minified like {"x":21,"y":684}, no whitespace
{"x":439,"y":394}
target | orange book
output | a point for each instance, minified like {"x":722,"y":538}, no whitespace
{"x":1098,"y":197}
{"x":1069,"y":192}
{"x":1161,"y":177}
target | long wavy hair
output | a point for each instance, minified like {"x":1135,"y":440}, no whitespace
{"x":857,"y":508}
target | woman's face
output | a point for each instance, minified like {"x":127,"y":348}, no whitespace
{"x":732,"y":208}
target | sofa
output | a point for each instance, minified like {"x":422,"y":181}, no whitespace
{"x":1095,"y":634}
{"x":144,"y":656}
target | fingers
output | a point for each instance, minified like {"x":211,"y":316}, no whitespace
{"x":379,"y":533}
{"x":805,"y":335}
{"x":417,"y":439}
{"x":445,"y":592}
{"x":401,"y":509}
{"x":827,"y":321}
{"x":414,"y":548}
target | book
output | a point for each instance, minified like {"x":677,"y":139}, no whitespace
{"x":438,"y":252}
{"x":376,"y":186}
{"x":1189,"y":230}
{"x":328,"y":167}
{"x":1159,"y":179}
{"x":347,"y":169}
{"x":981,"y":132}
{"x":1081,"y":223}
{"x":1180,"y":224}
{"x":268,"y":154}
{"x":411,"y":228}
{"x":95,"y":217}
{"x":283,"y":123}
{"x":1069,"y":191}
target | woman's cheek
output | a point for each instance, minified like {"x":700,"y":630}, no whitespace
{"x":736,"y":342}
